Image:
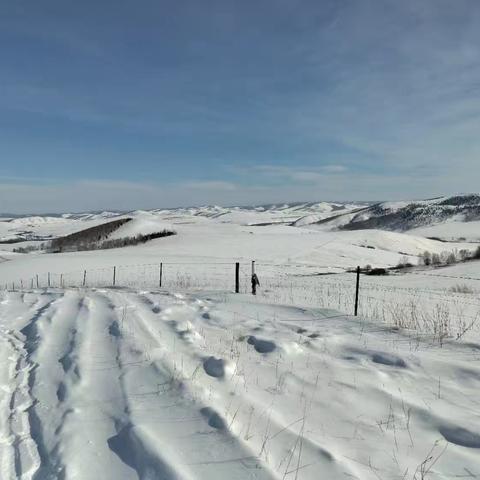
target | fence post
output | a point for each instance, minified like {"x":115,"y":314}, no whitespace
{"x":114,"y":275}
{"x":61,"y":280}
{"x":37,"y":280}
{"x":21,"y":284}
{"x":237,"y":277}
{"x":48,"y":279}
{"x":84,"y":277}
{"x":160,"y":275}
{"x":31,"y":284}
{"x":357,"y":287}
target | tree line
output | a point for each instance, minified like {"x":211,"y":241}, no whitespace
{"x":449,"y":258}
{"x":94,"y":238}
{"x":86,"y":238}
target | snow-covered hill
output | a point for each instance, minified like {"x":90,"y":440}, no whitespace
{"x":323,"y":231}
{"x":189,"y":381}
{"x":404,"y":216}
{"x":30,"y":228}
{"x":393,"y":216}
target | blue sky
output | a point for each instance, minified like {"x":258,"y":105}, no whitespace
{"x":142,"y":104}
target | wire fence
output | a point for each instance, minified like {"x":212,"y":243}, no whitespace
{"x":180,"y":275}
{"x":448,"y":309}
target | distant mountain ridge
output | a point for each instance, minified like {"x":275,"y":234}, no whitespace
{"x":400,"y":216}
{"x":203,"y":210}
{"x":403,"y":216}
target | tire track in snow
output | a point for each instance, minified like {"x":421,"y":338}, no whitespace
{"x":14,"y":401}
{"x":9,"y":365}
{"x":52,"y":374}
{"x":215,"y":446}
{"x":38,"y":413}
{"x":23,"y":440}
{"x":93,"y":395}
{"x":132,"y":443}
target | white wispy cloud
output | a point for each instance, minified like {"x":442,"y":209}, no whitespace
{"x":85,"y":195}
{"x":301,"y":173}
{"x":209,"y":185}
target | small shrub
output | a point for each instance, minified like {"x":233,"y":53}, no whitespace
{"x":403,"y":263}
{"x":28,"y":249}
{"x":461,"y":288}
{"x":378,"y":271}
{"x":427,"y":258}
{"x":450,"y":259}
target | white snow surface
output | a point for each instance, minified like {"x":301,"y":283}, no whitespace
{"x":126,"y":384}
{"x":193,"y":382}
{"x":46,"y":226}
{"x":143,"y":223}
{"x":451,"y":231}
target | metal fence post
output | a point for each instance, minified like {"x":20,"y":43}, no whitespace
{"x":237,"y":277}
{"x":357,"y":288}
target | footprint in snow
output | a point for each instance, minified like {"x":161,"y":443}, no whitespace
{"x":388,"y":359}
{"x":215,"y":367}
{"x":381,"y":358}
{"x":213,"y":418}
{"x":114,"y":329}
{"x":261,"y":346}
{"x":61,"y":392}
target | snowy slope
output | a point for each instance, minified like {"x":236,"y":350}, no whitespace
{"x":142,"y":223}
{"x":206,"y":241}
{"x":124,"y":385}
{"x":449,"y":231}
{"x":403,"y":216}
{"x":45,"y":227}
{"x":390,"y":216}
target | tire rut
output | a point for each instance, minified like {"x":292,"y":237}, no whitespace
{"x":23,"y":439}
{"x":189,"y":402}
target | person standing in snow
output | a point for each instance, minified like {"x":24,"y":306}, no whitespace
{"x":255,"y":283}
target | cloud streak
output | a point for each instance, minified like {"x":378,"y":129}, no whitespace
{"x":267,"y":187}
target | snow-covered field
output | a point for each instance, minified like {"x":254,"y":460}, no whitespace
{"x":192,"y":381}
{"x":289,"y":261}
{"x":451,"y":231}
{"x":119,"y":384}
